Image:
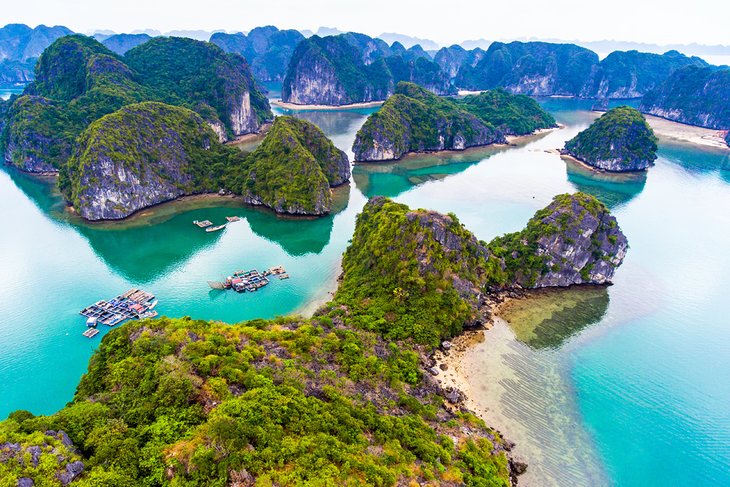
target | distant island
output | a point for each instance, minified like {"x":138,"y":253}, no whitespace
{"x":347,"y":393}
{"x":416,"y":120}
{"x":619,"y":141}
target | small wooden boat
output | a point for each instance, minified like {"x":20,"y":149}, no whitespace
{"x":203,"y":223}
{"x":217,"y":285}
{"x":232,"y":219}
{"x":92,"y":322}
{"x":215,"y":228}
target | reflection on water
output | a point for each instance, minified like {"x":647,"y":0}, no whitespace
{"x":612,"y":189}
{"x":546,"y":318}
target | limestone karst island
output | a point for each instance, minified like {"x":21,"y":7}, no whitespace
{"x":328,"y":244}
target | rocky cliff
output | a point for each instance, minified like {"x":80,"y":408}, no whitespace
{"x":293,"y":169}
{"x":352,"y":68}
{"x":415,"y":120}
{"x":421,"y":274}
{"x":631,"y":74}
{"x":139,"y":156}
{"x":530,"y":68}
{"x":203,"y":77}
{"x":452,"y":59}
{"x":267,"y":49}
{"x":620,"y":140}
{"x":79,"y":80}
{"x":693,"y":95}
{"x":574,"y":240}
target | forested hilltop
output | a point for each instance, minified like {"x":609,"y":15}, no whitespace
{"x":342,"y":398}
{"x":416,"y":120}
{"x":151,"y":152}
{"x":619,"y":141}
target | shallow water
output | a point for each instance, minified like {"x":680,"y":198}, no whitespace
{"x":635,"y":394}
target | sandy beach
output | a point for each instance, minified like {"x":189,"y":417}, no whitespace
{"x":687,"y":133}
{"x":352,"y":106}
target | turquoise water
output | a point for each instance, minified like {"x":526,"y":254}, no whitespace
{"x":640,"y":390}
{"x":7,"y":91}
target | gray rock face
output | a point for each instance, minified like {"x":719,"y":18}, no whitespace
{"x":582,"y":244}
{"x":72,"y":471}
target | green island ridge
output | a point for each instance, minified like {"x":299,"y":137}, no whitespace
{"x":416,"y":120}
{"x":293,"y":169}
{"x":149,"y":153}
{"x":693,"y":95}
{"x":620,"y":140}
{"x":78,"y":80}
{"x":352,"y":68}
{"x":342,"y":398}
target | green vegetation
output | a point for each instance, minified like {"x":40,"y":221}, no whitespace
{"x":693,"y":95}
{"x":157,"y":143}
{"x":352,"y":68}
{"x":532,"y":68}
{"x":293,"y":168}
{"x":512,"y":114}
{"x":620,"y":140}
{"x":78,"y":80}
{"x":283,"y":402}
{"x":160,"y":152}
{"x":414,"y":120}
{"x":193,"y":73}
{"x":523,"y":253}
{"x":398,"y":277}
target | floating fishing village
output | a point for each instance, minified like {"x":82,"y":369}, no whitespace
{"x":134,"y":304}
{"x":138,"y":304}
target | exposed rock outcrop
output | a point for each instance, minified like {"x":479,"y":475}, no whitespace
{"x":353,"y":68}
{"x":619,"y":141}
{"x":139,"y":156}
{"x":693,"y":95}
{"x":443,"y":268}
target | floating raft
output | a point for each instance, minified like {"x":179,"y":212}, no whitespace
{"x":91,"y":333}
{"x":203,"y":223}
{"x":232,"y":219}
{"x":250,"y":281}
{"x":134,"y":304}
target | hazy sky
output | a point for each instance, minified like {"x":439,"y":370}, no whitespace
{"x":445,"y":21}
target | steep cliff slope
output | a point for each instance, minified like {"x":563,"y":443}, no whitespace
{"x":692,"y":95}
{"x":203,"y":77}
{"x":631,"y":74}
{"x":530,"y":68}
{"x":139,"y":156}
{"x":352,"y":68}
{"x":416,"y":120}
{"x":293,"y":169}
{"x":267,"y":49}
{"x":620,"y":140}
{"x":421,"y":275}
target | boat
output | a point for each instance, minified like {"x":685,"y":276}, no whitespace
{"x":202,"y":223}
{"x":232,"y":219}
{"x":152,"y":304}
{"x":216,"y":228}
{"x":91,"y":333}
{"x":92,"y":322}
{"x":217,"y":285}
